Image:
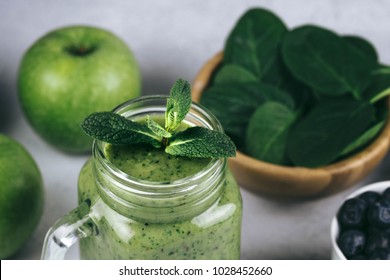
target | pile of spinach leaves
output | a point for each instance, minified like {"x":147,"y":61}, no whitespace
{"x":301,"y":97}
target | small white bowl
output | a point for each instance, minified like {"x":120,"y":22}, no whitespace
{"x":378,"y":187}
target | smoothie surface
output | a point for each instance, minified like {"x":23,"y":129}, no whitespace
{"x":148,"y":163}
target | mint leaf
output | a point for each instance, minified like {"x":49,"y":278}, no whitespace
{"x":178,"y":104}
{"x":115,"y":129}
{"x":201,"y":142}
{"x":157,"y":129}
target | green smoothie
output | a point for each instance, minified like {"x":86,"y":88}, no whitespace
{"x":147,"y":163}
{"x":213,"y":234}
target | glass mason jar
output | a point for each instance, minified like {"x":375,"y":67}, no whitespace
{"x":123,"y":217}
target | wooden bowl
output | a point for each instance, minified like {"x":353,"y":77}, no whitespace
{"x":262,"y":177}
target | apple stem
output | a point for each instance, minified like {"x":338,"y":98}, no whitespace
{"x":81,"y":50}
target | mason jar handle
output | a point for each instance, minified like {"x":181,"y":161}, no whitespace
{"x":68,"y":230}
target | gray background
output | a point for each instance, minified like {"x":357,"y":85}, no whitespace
{"x":172,"y":39}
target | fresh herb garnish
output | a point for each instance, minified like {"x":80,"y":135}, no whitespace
{"x":192,"y":142}
{"x":200,"y":142}
{"x":302,"y":97}
{"x":115,"y":129}
{"x":178,"y":104}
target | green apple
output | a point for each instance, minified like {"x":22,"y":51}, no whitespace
{"x":21,"y":196}
{"x":70,"y":73}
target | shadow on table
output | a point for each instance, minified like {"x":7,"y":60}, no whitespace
{"x":9,"y":107}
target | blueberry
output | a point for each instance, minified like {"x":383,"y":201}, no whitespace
{"x":374,"y":231}
{"x":370,"y":197}
{"x":386,"y":194}
{"x":377,"y":240}
{"x":352,"y":242}
{"x":380,"y":254}
{"x":352,"y":214}
{"x":379,"y":214}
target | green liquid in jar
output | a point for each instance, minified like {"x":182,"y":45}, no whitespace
{"x":151,"y":164}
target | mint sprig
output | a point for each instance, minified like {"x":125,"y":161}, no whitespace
{"x":193,"y":142}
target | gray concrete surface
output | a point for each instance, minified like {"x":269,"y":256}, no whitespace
{"x":172,"y":39}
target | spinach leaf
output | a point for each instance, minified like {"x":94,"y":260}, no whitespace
{"x":234,"y":104}
{"x":304,"y":97}
{"x":322,"y":136}
{"x":326,"y":62}
{"x":253,"y":42}
{"x":363,"y":46}
{"x":232,"y":73}
{"x":284,"y":80}
{"x":267,"y":132}
{"x":379,"y":88}
{"x":364,"y":139}
{"x":383,"y":69}
{"x":276,"y":74}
